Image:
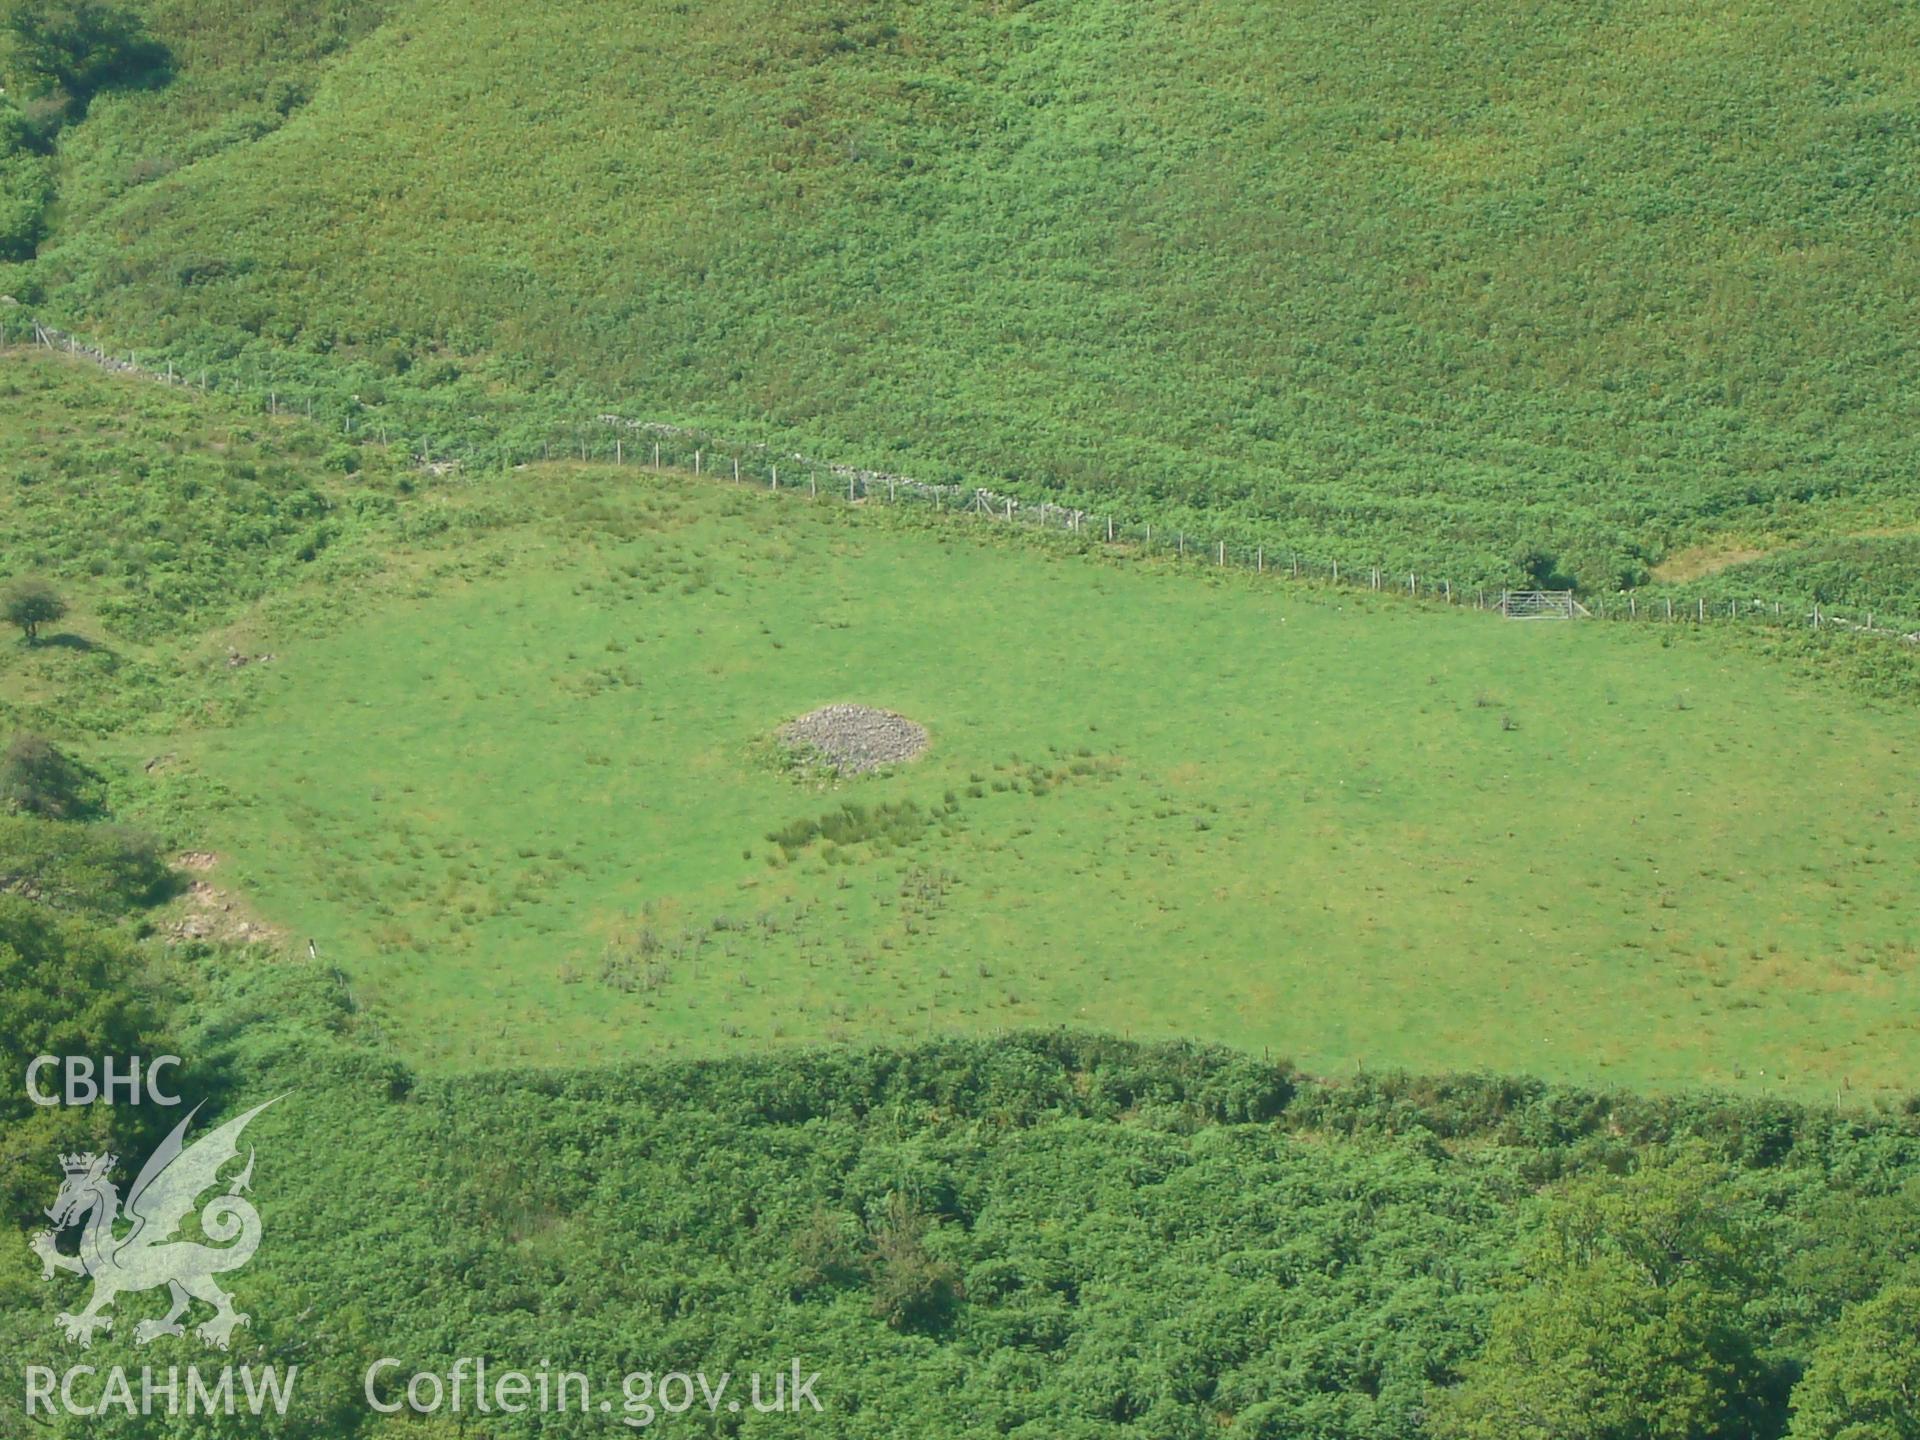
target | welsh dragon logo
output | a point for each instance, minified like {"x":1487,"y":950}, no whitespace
{"x":148,"y":1255}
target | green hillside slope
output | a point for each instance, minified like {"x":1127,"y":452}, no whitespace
{"x":1450,"y":284}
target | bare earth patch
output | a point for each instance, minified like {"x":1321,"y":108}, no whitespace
{"x":855,"y":739}
{"x":1700,"y":561}
{"x":213,"y":914}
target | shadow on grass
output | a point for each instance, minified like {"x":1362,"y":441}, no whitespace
{"x":66,"y":640}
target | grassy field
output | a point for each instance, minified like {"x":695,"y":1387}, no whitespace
{"x":509,"y":764}
{"x":1470,"y":290}
{"x":528,"y":804}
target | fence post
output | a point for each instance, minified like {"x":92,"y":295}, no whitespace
{"x":1109,"y":529}
{"x":656,"y":454}
{"x":736,"y":469}
{"x":1009,"y":509}
{"x":1183,"y":544}
{"x":619,"y":453}
{"x":812,"y":487}
{"x":1259,"y":559}
{"x":696,"y":462}
{"x":1703,"y":609}
{"x":1669,"y":609}
{"x":1223,"y":552}
{"x":776,"y":477}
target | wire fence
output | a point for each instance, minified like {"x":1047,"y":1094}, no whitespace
{"x":666,"y":446}
{"x":619,"y":440}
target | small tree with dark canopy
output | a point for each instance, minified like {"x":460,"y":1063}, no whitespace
{"x":912,"y":1288}
{"x":36,"y":779}
{"x":1543,"y":568}
{"x":32,"y":603}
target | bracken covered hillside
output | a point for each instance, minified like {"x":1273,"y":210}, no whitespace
{"x":1479,"y":288}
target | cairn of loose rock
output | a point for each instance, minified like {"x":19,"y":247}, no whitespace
{"x":854,"y":739}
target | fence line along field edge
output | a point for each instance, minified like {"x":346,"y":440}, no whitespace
{"x":668,"y":446}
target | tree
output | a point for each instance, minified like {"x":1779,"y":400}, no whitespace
{"x":26,"y":186}
{"x":31,"y":603}
{"x":1631,"y":1325}
{"x":912,"y":1288}
{"x":826,"y":1251}
{"x":1598,"y":1353}
{"x":26,"y":190}
{"x":1542,"y":568}
{"x":80,"y":47}
{"x":37,"y":779}
{"x":1864,"y":1382}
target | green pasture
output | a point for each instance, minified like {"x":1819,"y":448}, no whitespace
{"x":525,"y":800}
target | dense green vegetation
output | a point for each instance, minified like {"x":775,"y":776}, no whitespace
{"x":1868,"y":575}
{"x":26,"y":186}
{"x":157,"y":517}
{"x":1045,"y":1235}
{"x":176,"y":511}
{"x":1451,"y":288}
{"x":67,"y":987}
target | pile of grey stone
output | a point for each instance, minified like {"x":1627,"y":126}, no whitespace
{"x":854,"y":739}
